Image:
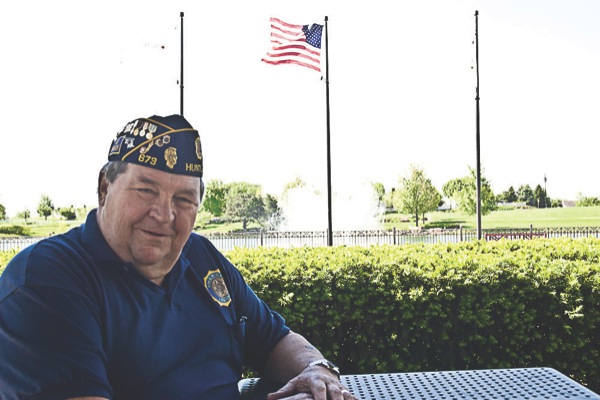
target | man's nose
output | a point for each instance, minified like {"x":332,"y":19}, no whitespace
{"x":162,"y":210}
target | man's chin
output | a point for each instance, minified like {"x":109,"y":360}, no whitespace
{"x":149,"y":256}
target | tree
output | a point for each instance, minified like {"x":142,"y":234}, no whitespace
{"x":215,"y":195}
{"x":202,"y":219}
{"x":509,"y":196}
{"x":25,"y":214}
{"x":273,"y":213}
{"x":454,"y":186}
{"x":388,"y":199}
{"x":244,"y":203}
{"x":2,"y":212}
{"x":555,"y":202}
{"x":540,"y":197}
{"x":81,"y":212}
{"x":379,"y":190}
{"x":526,"y":194}
{"x":416,"y":194}
{"x":583,"y":201}
{"x":68,"y":213}
{"x":464,"y":192}
{"x":45,"y":207}
{"x":297,"y":183}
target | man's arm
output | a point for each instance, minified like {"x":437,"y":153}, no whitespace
{"x":288,"y":361}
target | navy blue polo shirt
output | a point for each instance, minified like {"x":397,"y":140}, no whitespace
{"x":77,"y":321}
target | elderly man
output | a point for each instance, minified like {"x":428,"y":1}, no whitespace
{"x":133,"y":305}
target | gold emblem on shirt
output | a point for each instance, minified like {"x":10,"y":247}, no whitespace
{"x":215,"y":285}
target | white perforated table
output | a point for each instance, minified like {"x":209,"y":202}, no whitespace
{"x":518,"y":383}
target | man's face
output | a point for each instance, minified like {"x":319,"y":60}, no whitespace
{"x":147,"y":215}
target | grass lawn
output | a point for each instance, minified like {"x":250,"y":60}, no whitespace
{"x":521,"y":218}
{"x":226,"y":227}
{"x":42,"y":227}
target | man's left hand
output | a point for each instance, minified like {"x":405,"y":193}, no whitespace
{"x":313,"y":383}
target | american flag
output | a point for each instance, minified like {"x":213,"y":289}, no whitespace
{"x":295,"y":44}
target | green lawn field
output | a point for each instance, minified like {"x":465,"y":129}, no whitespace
{"x":519,"y":218}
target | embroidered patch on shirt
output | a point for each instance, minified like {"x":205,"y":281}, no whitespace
{"x":215,"y":284}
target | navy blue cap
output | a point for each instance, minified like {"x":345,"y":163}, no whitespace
{"x":169,"y":144}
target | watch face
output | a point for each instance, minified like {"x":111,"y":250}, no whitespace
{"x":327,"y":364}
{"x":332,"y":365}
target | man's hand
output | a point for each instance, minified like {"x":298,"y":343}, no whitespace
{"x":313,"y":383}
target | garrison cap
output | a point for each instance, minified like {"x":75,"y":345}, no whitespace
{"x":169,"y":144}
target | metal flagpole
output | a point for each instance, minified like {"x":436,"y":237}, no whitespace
{"x":329,"y":213}
{"x":477,"y":119}
{"x":181,"y":70}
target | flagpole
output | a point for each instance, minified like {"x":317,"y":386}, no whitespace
{"x":329,"y":213}
{"x":477,"y":123}
{"x":181,"y":70}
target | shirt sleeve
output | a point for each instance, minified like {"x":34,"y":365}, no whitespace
{"x":50,"y":334}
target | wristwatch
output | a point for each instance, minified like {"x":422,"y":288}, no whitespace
{"x":327,"y":364}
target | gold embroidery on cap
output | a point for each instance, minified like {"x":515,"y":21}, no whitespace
{"x":193,"y":167}
{"x":171,"y":157}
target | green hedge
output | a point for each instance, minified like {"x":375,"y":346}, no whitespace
{"x":15,"y":230}
{"x":529,"y":303}
{"x":430,"y":307}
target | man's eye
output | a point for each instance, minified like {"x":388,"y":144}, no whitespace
{"x":145,"y":193}
{"x":185,"y":201}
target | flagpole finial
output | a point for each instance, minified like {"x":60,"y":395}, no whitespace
{"x":326,"y":18}
{"x":181,"y":14}
{"x":476,"y":13}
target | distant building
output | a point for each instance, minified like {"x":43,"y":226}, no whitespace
{"x":514,"y":204}
{"x":447,"y":204}
{"x":569,"y":203}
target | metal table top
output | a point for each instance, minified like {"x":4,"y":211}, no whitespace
{"x":518,"y":383}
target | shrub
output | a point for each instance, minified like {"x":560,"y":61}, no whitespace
{"x":68,"y":213}
{"x":16,"y":230}
{"x":440,"y":307}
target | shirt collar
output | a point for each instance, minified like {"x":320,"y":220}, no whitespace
{"x":94,"y":242}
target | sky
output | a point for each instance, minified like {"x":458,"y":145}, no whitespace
{"x":401,"y":80}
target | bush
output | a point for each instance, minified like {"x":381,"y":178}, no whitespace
{"x":16,"y":230}
{"x":474,"y":305}
{"x":68,"y":213}
{"x":588,"y":201}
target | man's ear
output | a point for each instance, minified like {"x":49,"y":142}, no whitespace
{"x":102,"y":189}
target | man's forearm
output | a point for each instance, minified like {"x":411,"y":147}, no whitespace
{"x":290,"y":357}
